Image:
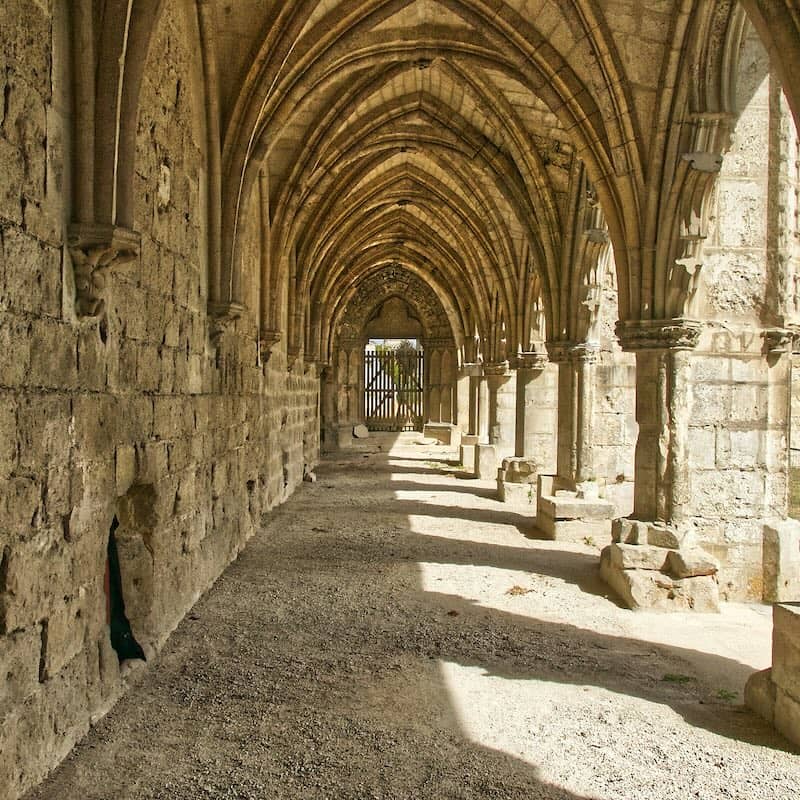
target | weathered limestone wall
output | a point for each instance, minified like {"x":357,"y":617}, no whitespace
{"x":615,"y":428}
{"x":737,"y":453}
{"x":740,"y":396}
{"x":137,"y":417}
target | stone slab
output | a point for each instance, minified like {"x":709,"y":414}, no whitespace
{"x":485,"y":462}
{"x":576,"y":508}
{"x":690,"y":563}
{"x":520,"y":494}
{"x":633,"y":556}
{"x":443,"y":432}
{"x":573,"y":530}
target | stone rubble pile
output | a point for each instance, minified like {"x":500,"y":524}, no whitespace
{"x":649,"y":565}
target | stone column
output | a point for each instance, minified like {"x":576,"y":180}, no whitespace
{"x":501,"y":383}
{"x":483,"y":409}
{"x":663,"y":408}
{"x":536,"y":418}
{"x":576,"y":392}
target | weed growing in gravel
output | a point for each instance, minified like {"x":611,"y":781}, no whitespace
{"x":517,"y":591}
{"x":727,"y":695}
{"x":671,"y":677}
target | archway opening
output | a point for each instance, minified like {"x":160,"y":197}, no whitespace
{"x":394,"y":385}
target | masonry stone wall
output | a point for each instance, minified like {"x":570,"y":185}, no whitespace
{"x":136,"y":417}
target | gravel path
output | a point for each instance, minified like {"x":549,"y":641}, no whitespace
{"x":393,"y":632}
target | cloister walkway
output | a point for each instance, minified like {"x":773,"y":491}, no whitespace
{"x":394,"y":632}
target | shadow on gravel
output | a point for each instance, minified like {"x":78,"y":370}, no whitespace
{"x":314,"y":668}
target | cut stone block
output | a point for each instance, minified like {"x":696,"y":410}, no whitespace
{"x":360,"y":432}
{"x":629,"y":531}
{"x":485,"y":461}
{"x":443,"y":432}
{"x":690,"y":563}
{"x":786,"y":648}
{"x":641,"y":588}
{"x":521,"y":494}
{"x":759,"y":694}
{"x":782,"y":561}
{"x":662,"y":535}
{"x":468,"y":456}
{"x":787,"y":715}
{"x":632,"y":556}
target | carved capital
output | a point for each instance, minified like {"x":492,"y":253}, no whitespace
{"x":779,"y":341}
{"x":267,"y":342}
{"x":96,"y":249}
{"x":533,"y":361}
{"x":586,"y":352}
{"x":559,"y":352}
{"x":221,"y":317}
{"x":498,"y":369}
{"x":659,"y":334}
{"x":472,"y":369}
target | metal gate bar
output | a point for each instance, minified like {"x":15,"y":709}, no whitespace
{"x":393,"y":390}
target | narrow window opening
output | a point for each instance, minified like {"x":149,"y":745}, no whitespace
{"x":122,"y":638}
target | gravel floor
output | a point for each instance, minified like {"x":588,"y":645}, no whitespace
{"x":393,"y":632}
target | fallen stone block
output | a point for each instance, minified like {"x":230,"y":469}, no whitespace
{"x":360,"y":432}
{"x":629,"y":531}
{"x":633,"y":556}
{"x":690,"y":563}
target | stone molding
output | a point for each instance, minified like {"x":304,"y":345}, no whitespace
{"x":267,"y":342}
{"x":95,"y":250}
{"x":472,"y":369}
{"x":535,"y":361}
{"x":563,"y":352}
{"x":221,"y":318}
{"x":779,"y":341}
{"x":670,"y":334}
{"x":498,"y":369}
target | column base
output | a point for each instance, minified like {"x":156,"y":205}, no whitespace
{"x":650,"y":566}
{"x":568,"y":513}
{"x":517,"y":481}
{"x":444,"y":432}
{"x":467,"y":451}
{"x":485,"y":461}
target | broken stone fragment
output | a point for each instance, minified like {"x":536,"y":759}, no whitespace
{"x":360,"y":432}
{"x":662,"y":535}
{"x":649,"y":588}
{"x":633,"y":556}
{"x":690,"y":563}
{"x":629,"y":531}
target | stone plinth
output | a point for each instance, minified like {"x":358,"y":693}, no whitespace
{"x":775,"y":693}
{"x":444,"y":432}
{"x":650,"y":566}
{"x":467,"y":450}
{"x":485,"y":461}
{"x":572,"y":514}
{"x":517,"y":481}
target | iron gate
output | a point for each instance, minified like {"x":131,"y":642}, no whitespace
{"x":393,"y":390}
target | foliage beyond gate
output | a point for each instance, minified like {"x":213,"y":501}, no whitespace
{"x":393,"y":388}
